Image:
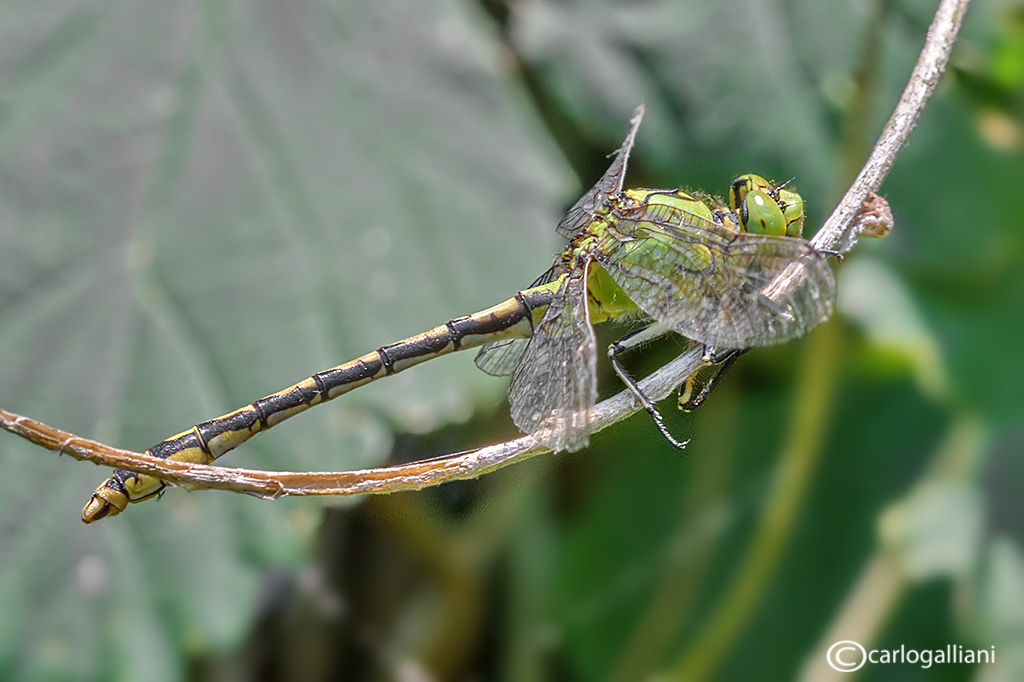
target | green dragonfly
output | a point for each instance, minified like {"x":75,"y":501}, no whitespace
{"x":728,"y":276}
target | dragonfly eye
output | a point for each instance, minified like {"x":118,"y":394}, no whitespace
{"x":761,"y":214}
{"x":793,"y":210}
{"x":745,"y":184}
{"x":766,"y":208}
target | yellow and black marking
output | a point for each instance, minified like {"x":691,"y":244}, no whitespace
{"x":205,"y":442}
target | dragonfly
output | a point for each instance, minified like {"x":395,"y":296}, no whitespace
{"x":731,"y":276}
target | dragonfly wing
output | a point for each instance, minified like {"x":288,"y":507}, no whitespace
{"x":582,"y":212}
{"x":555,"y":384}
{"x":723,"y":288}
{"x":499,"y":358}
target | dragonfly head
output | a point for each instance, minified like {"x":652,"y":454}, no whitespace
{"x":765,"y":208}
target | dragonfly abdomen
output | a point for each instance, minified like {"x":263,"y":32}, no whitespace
{"x":208,"y":440}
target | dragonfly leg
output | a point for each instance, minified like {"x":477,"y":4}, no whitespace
{"x":704,"y":378}
{"x":718,"y":356}
{"x":626,"y":343}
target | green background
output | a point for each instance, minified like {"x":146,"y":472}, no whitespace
{"x":202,"y":203}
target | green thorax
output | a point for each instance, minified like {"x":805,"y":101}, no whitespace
{"x":607,"y":300}
{"x":756,"y":206}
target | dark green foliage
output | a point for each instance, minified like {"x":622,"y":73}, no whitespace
{"x":202,"y":204}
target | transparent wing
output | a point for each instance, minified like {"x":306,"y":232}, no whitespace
{"x":711,"y":284}
{"x":499,"y":358}
{"x":555,"y":384}
{"x":581,"y":213}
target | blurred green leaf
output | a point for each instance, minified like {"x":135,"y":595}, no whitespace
{"x":202,"y":205}
{"x":936,"y":531}
{"x":961,"y":257}
{"x":1000,"y":603}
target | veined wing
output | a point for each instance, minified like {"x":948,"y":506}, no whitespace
{"x":499,"y":358}
{"x":706,"y":282}
{"x":582,"y":212}
{"x":555,"y":384}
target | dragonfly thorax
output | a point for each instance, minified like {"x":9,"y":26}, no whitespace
{"x":756,"y":206}
{"x":684,"y":203}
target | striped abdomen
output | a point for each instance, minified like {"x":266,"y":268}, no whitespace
{"x":207,"y":441}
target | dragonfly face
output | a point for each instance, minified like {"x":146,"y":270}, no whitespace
{"x":764,"y":208}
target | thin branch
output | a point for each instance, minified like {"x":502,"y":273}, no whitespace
{"x":273,"y":484}
{"x":838,"y":233}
